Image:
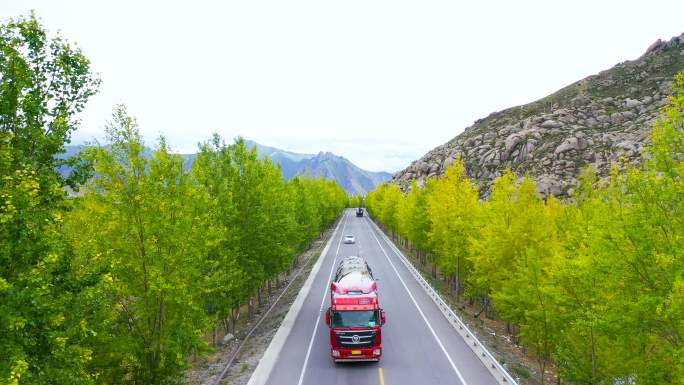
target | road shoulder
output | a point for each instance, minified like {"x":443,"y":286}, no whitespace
{"x":278,"y":307}
{"x":267,"y":362}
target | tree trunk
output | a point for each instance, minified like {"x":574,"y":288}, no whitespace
{"x":458,"y":277}
{"x":593,"y":354}
{"x":259,"y":296}
{"x":250,"y":311}
{"x":483,"y":310}
{"x":234,"y":314}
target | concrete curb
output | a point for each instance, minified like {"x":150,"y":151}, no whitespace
{"x":497,"y":370}
{"x":268,"y":360}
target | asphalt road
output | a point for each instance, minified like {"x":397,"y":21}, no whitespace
{"x":419,"y":345}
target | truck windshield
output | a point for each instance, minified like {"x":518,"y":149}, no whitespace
{"x":355,"y":318}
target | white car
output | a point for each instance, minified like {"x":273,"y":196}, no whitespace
{"x":349,"y":239}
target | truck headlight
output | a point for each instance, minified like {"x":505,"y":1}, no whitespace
{"x":335,"y":353}
{"x":376,"y":352}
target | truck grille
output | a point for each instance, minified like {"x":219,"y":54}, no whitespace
{"x":356,"y":338}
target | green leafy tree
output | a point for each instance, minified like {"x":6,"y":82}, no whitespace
{"x":520,"y":235}
{"x":226,"y":283}
{"x":415,"y":220}
{"x":647,"y":246}
{"x":48,"y":303}
{"x":264,"y":216}
{"x":454,"y":212}
{"x":355,"y":201}
{"x":141,"y":224}
{"x":307,"y":210}
{"x":586,"y":351}
{"x":384,"y":203}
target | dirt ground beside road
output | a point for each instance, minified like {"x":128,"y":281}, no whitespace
{"x":205,"y":370}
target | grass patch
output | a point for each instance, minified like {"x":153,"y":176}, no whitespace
{"x":521,"y":371}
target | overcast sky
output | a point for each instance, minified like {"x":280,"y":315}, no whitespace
{"x":379,"y":82}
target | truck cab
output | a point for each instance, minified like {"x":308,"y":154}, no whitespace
{"x":355,"y":317}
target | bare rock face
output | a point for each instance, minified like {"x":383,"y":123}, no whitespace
{"x":571,"y":143}
{"x":596,"y":121}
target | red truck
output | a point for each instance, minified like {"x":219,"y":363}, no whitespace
{"x":355,"y":317}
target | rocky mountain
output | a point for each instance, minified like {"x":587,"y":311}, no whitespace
{"x":597,"y":120}
{"x":290,"y":162}
{"x":349,"y":176}
{"x":324,"y":164}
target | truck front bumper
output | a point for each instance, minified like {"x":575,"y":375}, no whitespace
{"x":351,"y":355}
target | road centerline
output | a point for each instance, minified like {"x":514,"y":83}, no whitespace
{"x":381,"y":375}
{"x":432,"y":330}
{"x":325,"y":291}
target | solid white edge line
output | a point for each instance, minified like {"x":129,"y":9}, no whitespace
{"x":501,"y":375}
{"x":255,"y":327}
{"x":267,"y":362}
{"x":434,"y":334}
{"x":326,"y":291}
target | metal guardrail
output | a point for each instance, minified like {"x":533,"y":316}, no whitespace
{"x":490,"y":362}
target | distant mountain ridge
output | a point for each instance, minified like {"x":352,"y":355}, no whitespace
{"x":324,"y":164}
{"x":290,"y":162}
{"x":327,"y":165}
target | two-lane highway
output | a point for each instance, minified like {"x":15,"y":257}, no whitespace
{"x":419,"y":344}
